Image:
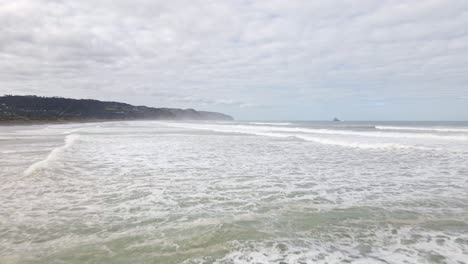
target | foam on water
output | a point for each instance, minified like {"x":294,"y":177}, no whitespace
{"x":437,"y":129}
{"x":240,"y":128}
{"x":271,"y":123}
{"x":356,"y":133}
{"x":69,"y":141}
{"x":178,"y":192}
{"x":392,"y":245}
{"x":273,"y":132}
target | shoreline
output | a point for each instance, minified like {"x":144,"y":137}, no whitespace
{"x":5,"y":123}
{"x":58,"y":122}
{"x":46,"y":122}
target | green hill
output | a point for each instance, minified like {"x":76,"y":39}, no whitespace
{"x":35,"y":108}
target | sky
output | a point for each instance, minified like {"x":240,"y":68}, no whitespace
{"x":252,"y":59}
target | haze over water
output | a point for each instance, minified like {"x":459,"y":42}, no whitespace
{"x":234,"y":192}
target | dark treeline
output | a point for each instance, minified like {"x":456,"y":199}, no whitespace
{"x":36,"y":108}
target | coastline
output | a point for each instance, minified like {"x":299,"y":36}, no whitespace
{"x":58,"y":122}
{"x":52,"y":122}
{"x":45,"y":122}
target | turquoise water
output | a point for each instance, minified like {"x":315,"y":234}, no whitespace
{"x":234,"y":192}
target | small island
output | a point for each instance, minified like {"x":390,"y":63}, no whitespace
{"x":31,"y":108}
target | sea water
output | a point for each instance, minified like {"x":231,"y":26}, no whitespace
{"x":234,"y":192}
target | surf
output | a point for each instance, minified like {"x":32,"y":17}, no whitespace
{"x":271,"y":132}
{"x":436,"y":129}
{"x":377,"y":134}
{"x":43,"y":164}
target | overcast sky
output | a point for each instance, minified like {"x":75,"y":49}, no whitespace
{"x":253,"y":59}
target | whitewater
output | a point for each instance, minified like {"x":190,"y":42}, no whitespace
{"x":234,"y":192}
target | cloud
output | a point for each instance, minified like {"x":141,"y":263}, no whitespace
{"x":238,"y":56}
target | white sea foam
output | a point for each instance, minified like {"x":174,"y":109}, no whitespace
{"x":354,"y":144}
{"x":250,"y":129}
{"x":69,"y":132}
{"x":341,"y":143}
{"x":266,"y":131}
{"x":153,"y":193}
{"x":271,"y":123}
{"x":359,"y":133}
{"x":437,"y":129}
{"x":387,"y":246}
{"x":69,"y":141}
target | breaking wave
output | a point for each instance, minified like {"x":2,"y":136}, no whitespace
{"x":69,"y":141}
{"x":437,"y":129}
{"x":359,"y":133}
{"x":271,"y":124}
{"x":249,"y":129}
{"x":270,"y":132}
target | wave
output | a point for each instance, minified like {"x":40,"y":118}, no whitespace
{"x":69,"y":132}
{"x":361,"y":133}
{"x":375,"y":134}
{"x":355,"y":127}
{"x":69,"y":141}
{"x":341,"y":143}
{"x":383,"y":244}
{"x":437,"y":129}
{"x":357,"y":144}
{"x":253,"y":130}
{"x":271,"y":123}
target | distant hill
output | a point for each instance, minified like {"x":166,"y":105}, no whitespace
{"x":35,"y":108}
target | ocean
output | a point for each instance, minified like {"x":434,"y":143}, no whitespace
{"x":234,"y":192}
